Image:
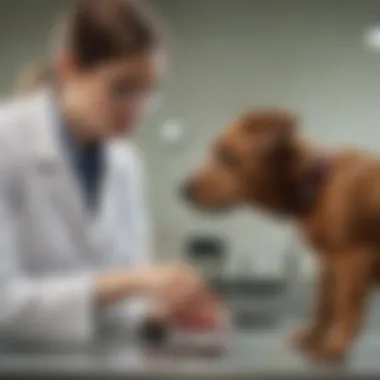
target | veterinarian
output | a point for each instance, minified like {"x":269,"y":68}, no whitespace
{"x":75,"y":255}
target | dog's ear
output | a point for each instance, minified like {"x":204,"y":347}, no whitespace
{"x":280,"y":158}
{"x":275,"y":132}
{"x":278,"y":142}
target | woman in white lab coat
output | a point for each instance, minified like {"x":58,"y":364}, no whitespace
{"x":74,"y":252}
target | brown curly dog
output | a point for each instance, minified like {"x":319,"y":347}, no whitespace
{"x":334,"y":198}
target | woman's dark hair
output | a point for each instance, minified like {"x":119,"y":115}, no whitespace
{"x":100,"y":30}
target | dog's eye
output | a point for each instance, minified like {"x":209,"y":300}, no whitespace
{"x":227,"y":158}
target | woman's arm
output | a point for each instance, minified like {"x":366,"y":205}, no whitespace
{"x":134,"y":249}
{"x":63,"y":309}
{"x":50,"y":308}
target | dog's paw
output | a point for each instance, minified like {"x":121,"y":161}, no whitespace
{"x":306,"y":338}
{"x":331,"y":351}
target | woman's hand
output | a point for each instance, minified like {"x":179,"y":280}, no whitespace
{"x":206,"y":314}
{"x":174,"y":288}
{"x":179,"y":294}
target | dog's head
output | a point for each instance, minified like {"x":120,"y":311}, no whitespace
{"x":250,"y":163}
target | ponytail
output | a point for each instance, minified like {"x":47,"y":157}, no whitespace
{"x":33,"y":78}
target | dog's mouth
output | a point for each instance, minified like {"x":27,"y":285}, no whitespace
{"x":188,"y":194}
{"x":212,"y":209}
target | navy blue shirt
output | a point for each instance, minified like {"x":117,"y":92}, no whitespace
{"x":88,"y":163}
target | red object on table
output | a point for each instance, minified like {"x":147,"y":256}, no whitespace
{"x":205,"y":315}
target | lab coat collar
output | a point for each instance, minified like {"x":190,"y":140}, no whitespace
{"x":55,"y":172}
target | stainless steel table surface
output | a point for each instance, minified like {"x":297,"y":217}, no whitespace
{"x":249,"y":355}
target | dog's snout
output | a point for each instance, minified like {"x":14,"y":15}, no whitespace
{"x":188,"y":191}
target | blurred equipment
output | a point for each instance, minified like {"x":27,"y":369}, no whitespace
{"x":154,"y":333}
{"x":207,"y":253}
{"x":255,"y":303}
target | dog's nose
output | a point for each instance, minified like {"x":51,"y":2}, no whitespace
{"x":188,"y":190}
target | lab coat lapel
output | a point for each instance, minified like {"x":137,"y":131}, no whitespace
{"x":53,"y":169}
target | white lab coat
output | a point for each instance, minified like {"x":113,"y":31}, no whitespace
{"x":51,"y":249}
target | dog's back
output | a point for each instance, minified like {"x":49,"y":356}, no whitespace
{"x":348,"y":208}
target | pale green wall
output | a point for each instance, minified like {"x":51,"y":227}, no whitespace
{"x":228,"y":54}
{"x":24,"y":29}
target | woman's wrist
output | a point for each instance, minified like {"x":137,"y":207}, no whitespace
{"x":114,"y":287}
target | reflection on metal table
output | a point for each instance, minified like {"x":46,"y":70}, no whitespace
{"x":248,"y":355}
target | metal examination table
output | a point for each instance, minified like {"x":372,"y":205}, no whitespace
{"x":249,"y":356}
{"x":251,"y":353}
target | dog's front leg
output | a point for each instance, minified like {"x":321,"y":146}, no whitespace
{"x":310,"y":336}
{"x":352,"y":276}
